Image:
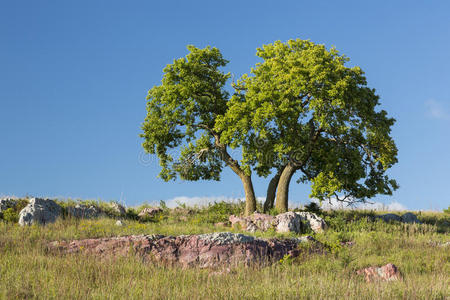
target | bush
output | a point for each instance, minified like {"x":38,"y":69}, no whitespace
{"x":11,"y":215}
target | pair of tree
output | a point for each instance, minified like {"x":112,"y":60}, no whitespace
{"x":300,"y":110}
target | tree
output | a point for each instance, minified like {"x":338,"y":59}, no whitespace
{"x":315,"y":115}
{"x":181,"y":116}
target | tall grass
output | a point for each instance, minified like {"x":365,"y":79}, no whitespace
{"x":27,"y":270}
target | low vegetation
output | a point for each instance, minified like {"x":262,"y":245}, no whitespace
{"x":354,"y":240}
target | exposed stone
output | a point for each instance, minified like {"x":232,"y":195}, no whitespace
{"x":388,"y":272}
{"x":149,"y":212}
{"x":390,"y":217}
{"x":118,"y":208}
{"x":119,"y":223}
{"x":410,"y":218}
{"x":286,"y":222}
{"x":254,"y":222}
{"x":83,"y":211}
{"x":214,"y":250}
{"x":40,"y":211}
{"x":405,"y":218}
{"x":316,"y":223}
{"x":289,"y":222}
{"x":6,"y":203}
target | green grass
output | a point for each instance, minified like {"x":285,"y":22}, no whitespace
{"x":27,"y":270}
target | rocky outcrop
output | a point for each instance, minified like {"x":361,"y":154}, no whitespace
{"x":149,"y":212}
{"x":39,"y":211}
{"x":388,"y":272}
{"x":288,"y":222}
{"x":83,"y":211}
{"x":254,"y":222}
{"x":297,"y":222}
{"x":118,"y":209}
{"x":405,"y":218}
{"x":316,"y":223}
{"x":205,"y":251}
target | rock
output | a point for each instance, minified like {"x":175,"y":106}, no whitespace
{"x":214,"y":250}
{"x":289,"y":222}
{"x":316,"y":223}
{"x":286,"y":222}
{"x":149,"y":212}
{"x":119,"y":209}
{"x":83,"y":211}
{"x":6,"y":203}
{"x":119,"y":223}
{"x":405,"y":218}
{"x":40,"y":211}
{"x":388,"y":272}
{"x":410,"y":218}
{"x":390,"y":217}
{"x":254,"y":222}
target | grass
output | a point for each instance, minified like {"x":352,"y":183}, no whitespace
{"x":27,"y":270}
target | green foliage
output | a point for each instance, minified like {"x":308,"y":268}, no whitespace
{"x":182,"y":112}
{"x":313,"y":207}
{"x":11,"y":215}
{"x":316,"y":115}
{"x":447,"y":211}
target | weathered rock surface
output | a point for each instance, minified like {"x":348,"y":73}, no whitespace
{"x":410,"y":218}
{"x":388,"y":272}
{"x":83,"y":211}
{"x":405,"y":218}
{"x":119,"y":209}
{"x":40,"y":211}
{"x":253,"y":222}
{"x":313,"y":221}
{"x":149,"y":212}
{"x":286,"y":222}
{"x":6,"y":203}
{"x":204,"y":251}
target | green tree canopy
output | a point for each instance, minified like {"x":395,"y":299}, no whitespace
{"x":181,"y":120}
{"x":316,"y":115}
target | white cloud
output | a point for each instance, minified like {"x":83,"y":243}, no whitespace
{"x":436,"y":110}
{"x":334,"y":204}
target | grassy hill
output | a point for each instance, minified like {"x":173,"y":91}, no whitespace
{"x":28,"y":270}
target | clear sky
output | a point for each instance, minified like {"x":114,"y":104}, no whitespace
{"x":74,"y":76}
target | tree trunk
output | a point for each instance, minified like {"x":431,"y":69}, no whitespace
{"x":283,"y":188}
{"x":271,"y":190}
{"x":250,"y":199}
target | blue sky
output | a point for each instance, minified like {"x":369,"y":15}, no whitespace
{"x":75,"y":74}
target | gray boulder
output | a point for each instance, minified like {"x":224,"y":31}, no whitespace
{"x":119,"y":209}
{"x":288,"y":222}
{"x":83,"y":211}
{"x":39,"y":211}
{"x":316,"y":223}
{"x":410,"y":218}
{"x":390,"y":217}
{"x":405,"y":218}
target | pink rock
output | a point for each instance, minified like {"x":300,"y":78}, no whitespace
{"x":388,"y":272}
{"x":205,"y":251}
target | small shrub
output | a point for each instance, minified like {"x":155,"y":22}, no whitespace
{"x":313,"y":207}
{"x":11,"y":215}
